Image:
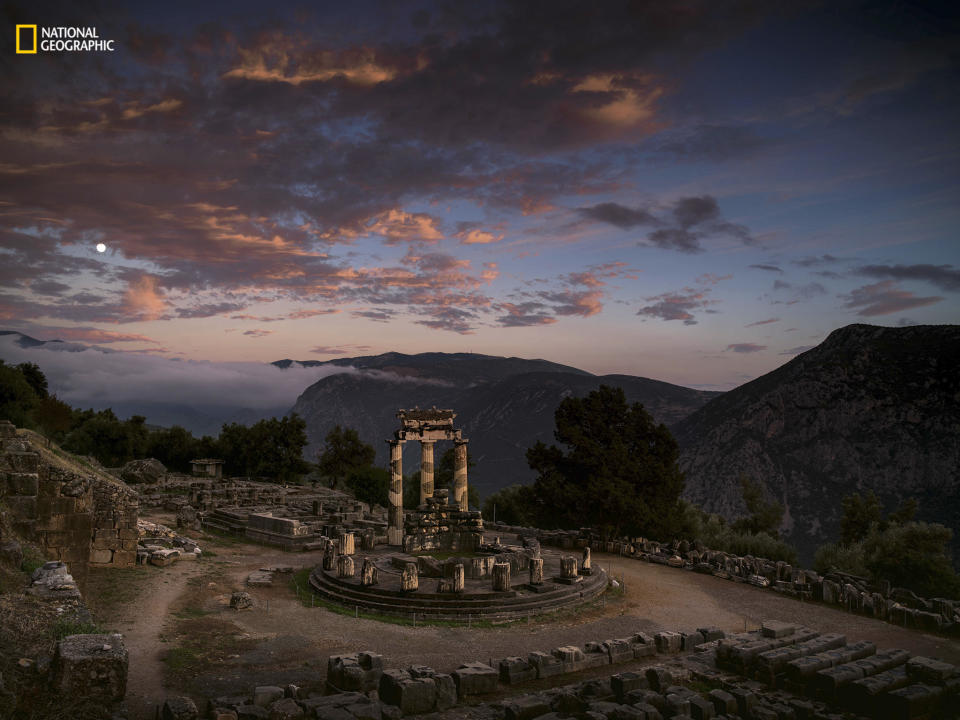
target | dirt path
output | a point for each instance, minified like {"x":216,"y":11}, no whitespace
{"x":656,"y":598}
{"x":285,"y":642}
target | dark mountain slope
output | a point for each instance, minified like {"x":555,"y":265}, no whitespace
{"x":870,"y":408}
{"x":503,"y":405}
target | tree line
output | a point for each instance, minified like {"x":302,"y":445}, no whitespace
{"x":270,"y":448}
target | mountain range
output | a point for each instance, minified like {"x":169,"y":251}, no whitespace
{"x":504,"y":405}
{"x":869,"y":409}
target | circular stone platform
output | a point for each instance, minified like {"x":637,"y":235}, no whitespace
{"x":478,"y":601}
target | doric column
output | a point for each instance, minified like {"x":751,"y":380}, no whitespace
{"x":460,"y":474}
{"x":395,"y":518}
{"x":426,"y":470}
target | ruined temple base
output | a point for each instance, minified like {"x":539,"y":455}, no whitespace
{"x":477,"y":601}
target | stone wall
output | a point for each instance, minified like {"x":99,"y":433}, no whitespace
{"x":114,"y":540}
{"x":80,"y":519}
{"x":47,"y":505}
{"x":854,"y":594}
{"x":441,"y":525}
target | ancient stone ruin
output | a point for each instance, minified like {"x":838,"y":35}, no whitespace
{"x":426,"y":427}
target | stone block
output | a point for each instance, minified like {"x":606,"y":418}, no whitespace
{"x":571,"y":657}
{"x":626,"y":682}
{"x":912,"y":701}
{"x":691,"y":640}
{"x":22,"y":507}
{"x":701,"y":709}
{"x":930,"y":671}
{"x":515,"y":670}
{"x":776,"y":629}
{"x":746,"y":700}
{"x":475,"y":679}
{"x":412,"y":695}
{"x":677,"y":705}
{"x":723,"y":702}
{"x":252,"y":712}
{"x":526,"y":707}
{"x":668,"y":642}
{"x":659,"y":677}
{"x":180,"y":708}
{"x":446,"y":691}
{"x":91,"y":667}
{"x":359,"y":672}
{"x":264,"y":695}
{"x":23,"y":462}
{"x":222,"y":714}
{"x":545,"y":664}
{"x":285,"y":709}
{"x":618,"y":650}
{"x":22,"y":483}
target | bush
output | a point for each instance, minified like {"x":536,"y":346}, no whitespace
{"x":913,"y":556}
{"x":834,"y":557}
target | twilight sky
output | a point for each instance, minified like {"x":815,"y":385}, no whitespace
{"x":688,"y":191}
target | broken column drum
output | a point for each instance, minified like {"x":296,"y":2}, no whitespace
{"x":458,"y":577}
{"x":345,"y":566}
{"x":501,"y":577}
{"x":568,"y":566}
{"x":585,"y":565}
{"x":409,"y":579}
{"x":330,"y":556}
{"x":347,"y":544}
{"x":368,"y":573}
{"x":536,"y":571}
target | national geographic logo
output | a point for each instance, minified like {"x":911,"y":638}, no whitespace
{"x":60,"y":38}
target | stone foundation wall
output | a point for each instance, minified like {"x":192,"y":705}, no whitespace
{"x":439,"y":525}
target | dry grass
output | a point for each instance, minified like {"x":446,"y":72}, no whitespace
{"x":52,"y":454}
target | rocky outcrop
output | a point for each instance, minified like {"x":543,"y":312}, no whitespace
{"x":870,"y":408}
{"x":150,"y":471}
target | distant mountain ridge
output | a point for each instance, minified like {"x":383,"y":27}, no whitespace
{"x":503,"y":405}
{"x":870,"y":408}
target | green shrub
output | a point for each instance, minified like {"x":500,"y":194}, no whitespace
{"x":833,"y":557}
{"x":32,"y":559}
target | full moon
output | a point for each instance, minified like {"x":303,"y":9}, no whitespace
{"x":101,"y":247}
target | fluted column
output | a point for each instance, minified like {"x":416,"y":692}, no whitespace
{"x":426,"y":470}
{"x":460,"y":474}
{"x":395,"y":518}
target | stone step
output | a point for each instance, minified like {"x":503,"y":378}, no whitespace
{"x":451,"y":609}
{"x":467,"y":600}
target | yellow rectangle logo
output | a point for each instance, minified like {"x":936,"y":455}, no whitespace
{"x":24,"y":48}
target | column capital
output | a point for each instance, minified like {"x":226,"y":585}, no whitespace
{"x":460,"y":441}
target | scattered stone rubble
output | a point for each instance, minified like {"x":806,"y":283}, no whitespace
{"x":778,"y":671}
{"x":161,"y":546}
{"x":855,"y":594}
